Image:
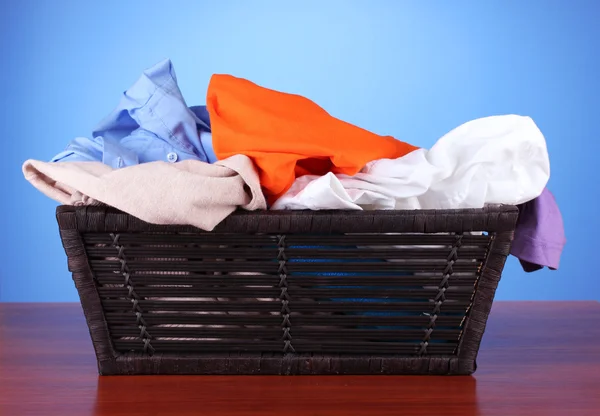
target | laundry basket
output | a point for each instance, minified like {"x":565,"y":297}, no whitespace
{"x":288,"y":292}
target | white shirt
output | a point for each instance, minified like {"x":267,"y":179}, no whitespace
{"x":491,"y":160}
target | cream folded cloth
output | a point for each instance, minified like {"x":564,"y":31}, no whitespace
{"x":188,"y":192}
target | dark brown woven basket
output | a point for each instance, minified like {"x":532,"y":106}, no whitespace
{"x":359,"y":292}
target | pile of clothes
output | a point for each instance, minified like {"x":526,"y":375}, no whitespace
{"x":255,"y":148}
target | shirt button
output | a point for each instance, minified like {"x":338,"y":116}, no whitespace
{"x":172,"y":157}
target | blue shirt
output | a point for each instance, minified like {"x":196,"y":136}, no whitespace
{"x":152,"y":122}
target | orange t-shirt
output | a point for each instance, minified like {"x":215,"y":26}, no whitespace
{"x":287,"y":135}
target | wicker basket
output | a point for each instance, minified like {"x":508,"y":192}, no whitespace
{"x":359,"y":292}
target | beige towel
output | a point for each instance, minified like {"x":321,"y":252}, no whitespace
{"x":188,"y":192}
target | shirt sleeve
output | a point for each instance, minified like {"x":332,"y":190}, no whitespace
{"x":81,"y":149}
{"x":98,"y":149}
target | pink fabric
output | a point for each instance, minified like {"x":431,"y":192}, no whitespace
{"x":189,"y":192}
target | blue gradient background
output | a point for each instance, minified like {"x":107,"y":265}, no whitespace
{"x":410,"y":69}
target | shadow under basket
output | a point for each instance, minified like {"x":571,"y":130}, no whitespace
{"x":292,"y":292}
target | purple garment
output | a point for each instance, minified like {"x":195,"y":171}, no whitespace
{"x":540,"y":235}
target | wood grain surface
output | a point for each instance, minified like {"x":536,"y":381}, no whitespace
{"x":537,"y":358}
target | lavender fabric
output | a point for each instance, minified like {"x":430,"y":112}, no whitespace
{"x":540,"y":235}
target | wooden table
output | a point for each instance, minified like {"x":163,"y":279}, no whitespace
{"x":537,"y":358}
